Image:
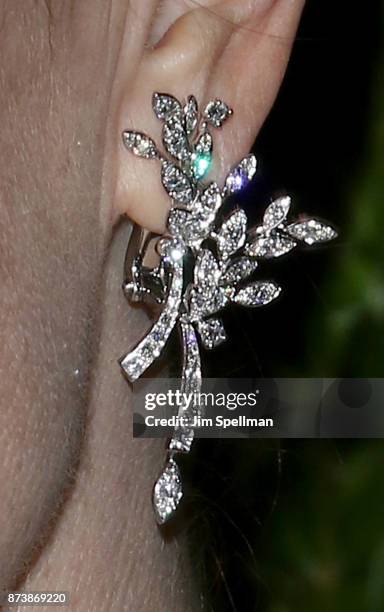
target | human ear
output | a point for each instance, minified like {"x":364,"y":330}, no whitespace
{"x":235,"y":50}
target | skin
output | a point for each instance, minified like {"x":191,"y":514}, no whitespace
{"x":75,"y":488}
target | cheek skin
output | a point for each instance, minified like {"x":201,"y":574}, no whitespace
{"x":53,"y":109}
{"x":107,"y":551}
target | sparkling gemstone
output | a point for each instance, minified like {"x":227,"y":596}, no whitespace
{"x":216,"y":112}
{"x":198,"y":226}
{"x":191,"y":114}
{"x":220,"y":299}
{"x":175,"y":140}
{"x":177,"y":219}
{"x":190,"y":227}
{"x":172,"y":249}
{"x":311,"y":231}
{"x":182,"y":439}
{"x":201,"y":164}
{"x":191,"y":384}
{"x":177,"y":183}
{"x":240,"y":176}
{"x":208,"y":300}
{"x":237,"y":271}
{"x":257,"y":294}
{"x":276,"y":213}
{"x":204,"y":144}
{"x":273,"y":245}
{"x":206,"y":273}
{"x":165,"y":105}
{"x":140,"y":358}
{"x":140,"y":144}
{"x":211,"y":197}
{"x":197,"y":303}
{"x":232,"y":234}
{"x":212,"y":332}
{"x":237,"y":181}
{"x":167,"y":492}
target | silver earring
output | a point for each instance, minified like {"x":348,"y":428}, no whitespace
{"x":221,"y":274}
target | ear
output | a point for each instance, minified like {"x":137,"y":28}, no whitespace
{"x":235,"y":50}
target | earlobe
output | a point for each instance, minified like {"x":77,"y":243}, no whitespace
{"x":236,"y":51}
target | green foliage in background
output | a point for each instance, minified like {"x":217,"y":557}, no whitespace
{"x":323,"y":547}
{"x":353,"y":315}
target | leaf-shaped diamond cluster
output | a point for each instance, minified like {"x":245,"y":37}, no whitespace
{"x":219,"y":276}
{"x":224,"y":252}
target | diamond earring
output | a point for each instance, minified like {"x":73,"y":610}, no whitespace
{"x":220,"y":275}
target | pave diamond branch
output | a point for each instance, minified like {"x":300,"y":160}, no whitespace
{"x":222,"y":272}
{"x":136,"y":362}
{"x":190,"y":384}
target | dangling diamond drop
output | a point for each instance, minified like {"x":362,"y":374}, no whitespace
{"x":167,"y":492}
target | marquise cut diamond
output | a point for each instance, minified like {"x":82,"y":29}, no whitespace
{"x":257,"y":294}
{"x":177,"y":183}
{"x":311,"y":231}
{"x":273,"y":245}
{"x":241,"y":175}
{"x":191,"y":114}
{"x":167,"y":492}
{"x":140,"y":144}
{"x":238,"y":270}
{"x":176,"y":141}
{"x":165,"y":105}
{"x":232,"y":234}
{"x":276,"y":212}
{"x":212,"y":333}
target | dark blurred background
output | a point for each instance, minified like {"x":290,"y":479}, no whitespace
{"x":292,"y":526}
